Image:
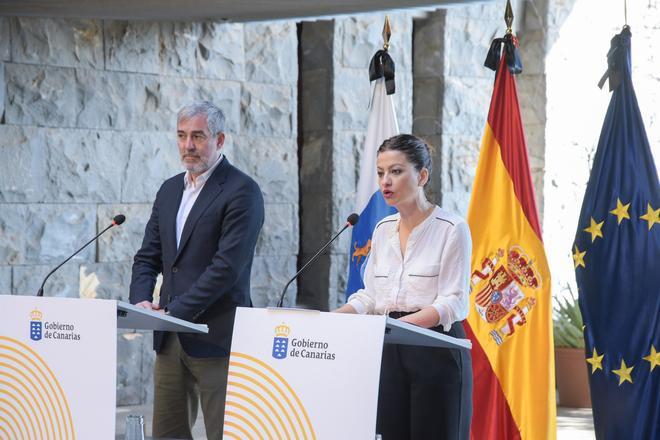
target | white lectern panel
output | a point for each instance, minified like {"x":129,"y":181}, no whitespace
{"x":57,"y":367}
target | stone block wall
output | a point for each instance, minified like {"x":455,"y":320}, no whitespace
{"x":452,"y":92}
{"x":87,"y":130}
{"x":464,"y":90}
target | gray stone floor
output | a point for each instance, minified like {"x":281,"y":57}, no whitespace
{"x":572,"y":424}
{"x":575,"y":424}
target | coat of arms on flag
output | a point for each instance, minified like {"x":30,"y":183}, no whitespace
{"x":500,"y":298}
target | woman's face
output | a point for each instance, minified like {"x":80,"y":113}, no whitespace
{"x":398,"y":179}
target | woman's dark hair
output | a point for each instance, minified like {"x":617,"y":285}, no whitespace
{"x":415,"y":149}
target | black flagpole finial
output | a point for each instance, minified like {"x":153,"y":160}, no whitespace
{"x":382,"y":64}
{"x":510,"y":44}
{"x":508,"y":17}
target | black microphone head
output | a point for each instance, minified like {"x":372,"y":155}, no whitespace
{"x":118,"y":219}
{"x":353,"y":219}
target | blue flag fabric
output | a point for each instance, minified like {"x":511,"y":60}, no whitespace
{"x":616,"y":256}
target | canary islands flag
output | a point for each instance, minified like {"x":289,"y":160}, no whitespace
{"x":509,"y":321}
{"x":369,"y":201}
{"x":616,"y":255}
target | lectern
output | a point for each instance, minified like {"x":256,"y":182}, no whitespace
{"x":58,"y":360}
{"x":311,"y":375}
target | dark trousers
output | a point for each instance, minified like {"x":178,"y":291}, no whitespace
{"x":425,"y":393}
{"x":180,"y":383}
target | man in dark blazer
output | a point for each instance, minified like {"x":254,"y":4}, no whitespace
{"x":201,"y":236}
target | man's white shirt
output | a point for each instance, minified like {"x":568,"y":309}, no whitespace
{"x":191,"y":191}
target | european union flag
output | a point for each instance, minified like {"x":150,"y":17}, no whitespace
{"x":616,"y":256}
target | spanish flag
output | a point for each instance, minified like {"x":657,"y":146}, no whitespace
{"x":510,"y":319}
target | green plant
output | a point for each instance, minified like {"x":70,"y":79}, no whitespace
{"x":567,"y":322}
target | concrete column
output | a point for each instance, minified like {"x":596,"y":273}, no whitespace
{"x":316,"y":158}
{"x":428,"y":89}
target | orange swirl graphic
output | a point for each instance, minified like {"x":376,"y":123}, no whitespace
{"x":257,"y":397}
{"x":32,"y":402}
{"x":263,"y":406}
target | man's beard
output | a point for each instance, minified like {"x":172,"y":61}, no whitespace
{"x":196,"y":167}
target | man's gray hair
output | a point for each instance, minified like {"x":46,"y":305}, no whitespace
{"x":215,"y":117}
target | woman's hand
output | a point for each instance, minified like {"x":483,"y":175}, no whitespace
{"x":427,"y":317}
{"x":346,"y":308}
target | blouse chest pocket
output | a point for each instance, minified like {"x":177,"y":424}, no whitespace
{"x":381,"y":280}
{"x":423,"y":278}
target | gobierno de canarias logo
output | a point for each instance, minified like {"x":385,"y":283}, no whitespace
{"x":36,"y":325}
{"x":32,"y":402}
{"x":51,"y":330}
{"x":302,"y":348}
{"x":281,"y":341}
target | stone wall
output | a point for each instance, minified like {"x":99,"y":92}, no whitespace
{"x":453,"y":91}
{"x":87,"y":130}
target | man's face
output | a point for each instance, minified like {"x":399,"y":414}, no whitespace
{"x":197,"y":147}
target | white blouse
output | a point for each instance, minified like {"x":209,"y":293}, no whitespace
{"x":434,"y":272}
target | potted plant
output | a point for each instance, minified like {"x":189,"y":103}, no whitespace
{"x":570,"y":366}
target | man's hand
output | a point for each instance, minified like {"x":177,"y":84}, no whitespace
{"x":148,"y":305}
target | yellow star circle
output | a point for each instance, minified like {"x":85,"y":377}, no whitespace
{"x":653,"y":357}
{"x":652,"y":215}
{"x":595,"y":229}
{"x":596,"y":361}
{"x":578,"y":258}
{"x":621,"y":211}
{"x":624,"y":373}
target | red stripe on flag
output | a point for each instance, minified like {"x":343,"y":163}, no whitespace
{"x":504,"y":118}
{"x":483,"y":297}
{"x":492,"y":418}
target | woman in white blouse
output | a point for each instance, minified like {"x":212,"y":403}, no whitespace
{"x":418,"y":271}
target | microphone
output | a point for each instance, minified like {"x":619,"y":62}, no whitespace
{"x":116,"y":221}
{"x":350,"y":221}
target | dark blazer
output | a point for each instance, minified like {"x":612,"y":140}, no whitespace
{"x":209,"y":275}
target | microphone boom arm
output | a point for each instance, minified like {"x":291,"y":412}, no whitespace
{"x":40,"y":292}
{"x":310,"y":261}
